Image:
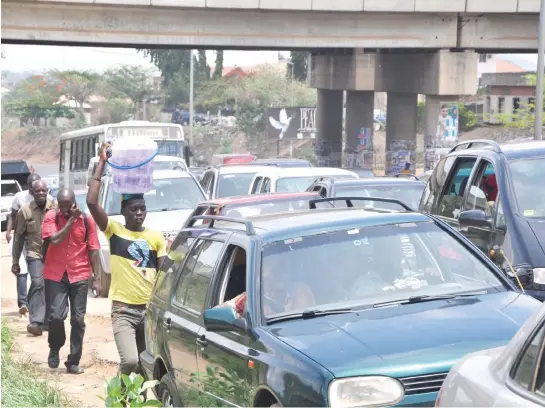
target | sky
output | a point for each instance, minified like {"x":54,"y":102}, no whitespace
{"x":38,"y":58}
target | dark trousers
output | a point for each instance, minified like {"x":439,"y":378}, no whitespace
{"x":22,"y":290}
{"x":36,"y":292}
{"x":60,"y":293}
{"x":128,"y":326}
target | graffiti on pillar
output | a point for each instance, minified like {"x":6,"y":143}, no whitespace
{"x":432,"y":157}
{"x":359,"y":160}
{"x":401,"y":156}
{"x":447,"y":123}
{"x":364,"y":139}
{"x":291,"y":123}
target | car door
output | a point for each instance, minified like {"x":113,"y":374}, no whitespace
{"x":225,"y":358}
{"x":476,"y":199}
{"x":450,"y":200}
{"x":184,"y":319}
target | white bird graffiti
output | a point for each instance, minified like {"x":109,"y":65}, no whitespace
{"x":283,"y":123}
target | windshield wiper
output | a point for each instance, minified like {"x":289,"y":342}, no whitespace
{"x":310,"y":314}
{"x":428,"y":298}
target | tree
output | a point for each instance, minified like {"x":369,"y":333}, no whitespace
{"x":133,"y":82}
{"x":202,"y":71}
{"x":218,"y":69}
{"x":299,"y":59}
{"x":169,"y":62}
{"x":34,"y":98}
{"x":76,"y":86}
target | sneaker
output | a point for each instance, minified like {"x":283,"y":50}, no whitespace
{"x":34,"y":329}
{"x":74,"y":369}
{"x":53,"y":359}
{"x":23,"y":310}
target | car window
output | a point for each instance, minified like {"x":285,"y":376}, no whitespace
{"x":172,"y":263}
{"x":257,"y":185}
{"x":197,"y":273}
{"x":527,"y":176}
{"x":399,"y":261}
{"x":450,"y":203}
{"x":483,"y":192}
{"x":524,"y":373}
{"x":500,"y":222}
{"x":266,"y":188}
{"x":9,"y":189}
{"x":436,"y":182}
{"x":234,"y":184}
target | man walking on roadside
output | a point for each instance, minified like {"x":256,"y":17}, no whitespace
{"x":20,"y":199}
{"x":70,"y":258}
{"x":136,"y":254}
{"x":28,"y":228}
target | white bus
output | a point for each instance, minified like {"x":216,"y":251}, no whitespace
{"x":80,"y":146}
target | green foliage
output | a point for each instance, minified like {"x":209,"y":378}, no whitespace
{"x":299,"y":59}
{"x":128,"y":390}
{"x":467,"y":120}
{"x":226,"y":145}
{"x":35,"y":98}
{"x":77,"y":86}
{"x":169,"y":62}
{"x":218,"y":69}
{"x":132,"y":81}
{"x":21,"y":384}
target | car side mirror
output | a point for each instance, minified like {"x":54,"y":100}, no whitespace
{"x":474,"y":218}
{"x":223,"y":319}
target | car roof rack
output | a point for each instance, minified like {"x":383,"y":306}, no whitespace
{"x":212,"y":218}
{"x":348,"y":200}
{"x":404,"y":175}
{"x":469,"y":144}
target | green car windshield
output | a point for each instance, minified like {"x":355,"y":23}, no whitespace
{"x":369,"y":265}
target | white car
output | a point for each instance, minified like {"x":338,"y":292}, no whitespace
{"x":9,"y":189}
{"x":510,"y":376}
{"x":175,"y":194}
{"x":291,"y":180}
{"x":229,"y":180}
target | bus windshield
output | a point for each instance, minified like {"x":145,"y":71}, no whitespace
{"x":170,"y":147}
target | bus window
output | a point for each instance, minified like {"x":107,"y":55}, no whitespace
{"x":61,"y":163}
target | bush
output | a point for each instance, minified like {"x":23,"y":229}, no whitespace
{"x":21,"y":384}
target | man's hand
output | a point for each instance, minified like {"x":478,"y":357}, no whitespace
{"x":103,"y":154}
{"x":8,"y":236}
{"x":15,"y":269}
{"x":96,"y":286}
{"x":75,"y":212}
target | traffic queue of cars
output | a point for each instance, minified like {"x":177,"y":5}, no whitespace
{"x":314,"y":287}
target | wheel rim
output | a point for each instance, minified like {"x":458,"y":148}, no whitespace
{"x":166,"y":400}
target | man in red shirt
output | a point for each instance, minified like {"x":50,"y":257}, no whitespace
{"x":69,"y":261}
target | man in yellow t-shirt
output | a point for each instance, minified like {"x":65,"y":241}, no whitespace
{"x":136,"y":254}
{"x":407,"y":169}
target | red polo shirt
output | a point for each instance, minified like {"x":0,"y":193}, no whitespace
{"x":70,"y":255}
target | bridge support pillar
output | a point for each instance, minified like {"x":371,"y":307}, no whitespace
{"x":401,"y":117}
{"x":329,"y":128}
{"x":358,"y":150}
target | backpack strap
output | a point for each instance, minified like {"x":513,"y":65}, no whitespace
{"x":86,"y":222}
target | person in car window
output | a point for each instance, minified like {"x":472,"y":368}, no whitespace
{"x":136,"y":254}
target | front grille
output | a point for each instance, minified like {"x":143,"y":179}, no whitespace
{"x":422,"y":384}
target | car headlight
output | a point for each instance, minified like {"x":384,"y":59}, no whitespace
{"x":376,"y":391}
{"x":539,"y":275}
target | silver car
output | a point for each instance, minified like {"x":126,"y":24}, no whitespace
{"x":510,"y":376}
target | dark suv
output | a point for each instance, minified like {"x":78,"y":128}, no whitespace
{"x":495,"y":196}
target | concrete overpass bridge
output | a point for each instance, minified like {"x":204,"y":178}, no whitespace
{"x":402,"y":47}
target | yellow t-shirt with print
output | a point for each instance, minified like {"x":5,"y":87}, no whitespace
{"x":133,"y":262}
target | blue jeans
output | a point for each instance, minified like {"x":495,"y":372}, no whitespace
{"x":22,"y":290}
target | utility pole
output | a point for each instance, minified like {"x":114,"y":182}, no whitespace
{"x":538,"y":129}
{"x":191,"y":68}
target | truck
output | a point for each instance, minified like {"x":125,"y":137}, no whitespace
{"x":14,"y":175}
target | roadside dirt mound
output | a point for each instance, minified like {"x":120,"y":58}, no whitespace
{"x":35,"y":145}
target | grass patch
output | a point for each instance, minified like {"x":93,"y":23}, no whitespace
{"x":21,"y":383}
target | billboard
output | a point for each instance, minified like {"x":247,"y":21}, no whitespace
{"x":447,"y":122}
{"x":291,"y":123}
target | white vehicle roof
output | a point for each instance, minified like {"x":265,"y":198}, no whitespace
{"x":156,"y":158}
{"x":102,"y":128}
{"x":281,"y":172}
{"x":236,"y":169}
{"x":170,"y":174}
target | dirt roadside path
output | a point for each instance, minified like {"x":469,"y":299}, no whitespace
{"x":100,"y":359}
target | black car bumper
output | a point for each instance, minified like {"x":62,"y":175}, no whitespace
{"x":147,"y":361}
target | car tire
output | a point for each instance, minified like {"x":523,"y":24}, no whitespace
{"x":166,"y":393}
